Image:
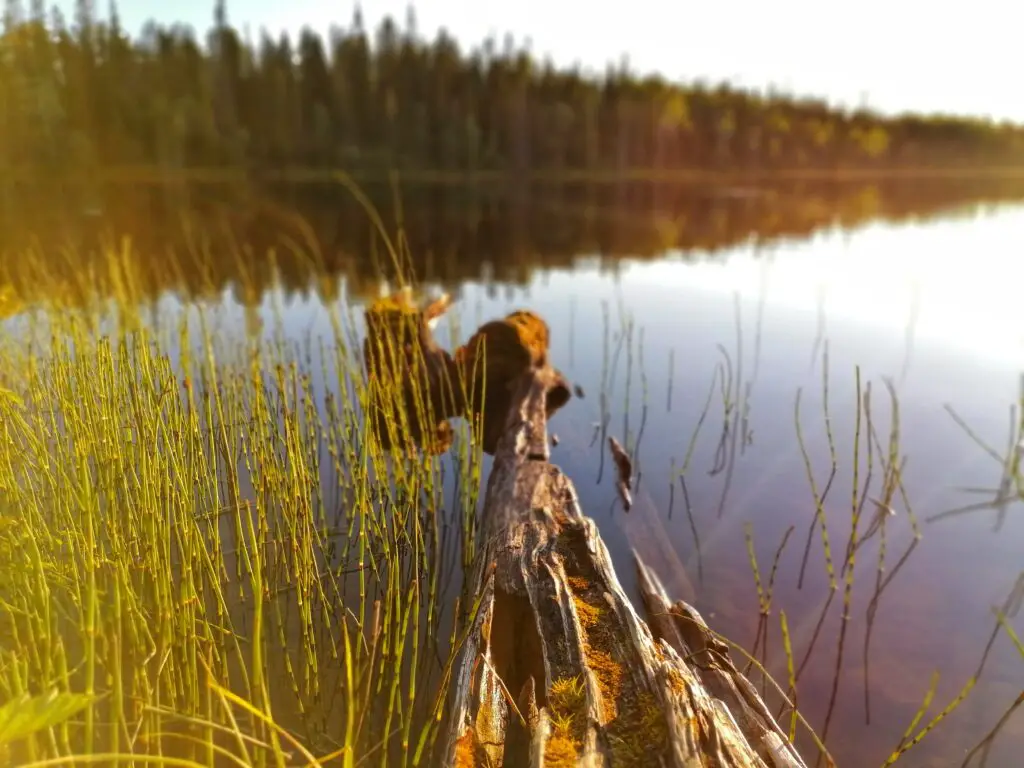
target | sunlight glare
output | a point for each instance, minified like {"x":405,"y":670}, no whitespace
{"x":957,"y":282}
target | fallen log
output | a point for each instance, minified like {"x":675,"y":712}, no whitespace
{"x":558,"y":669}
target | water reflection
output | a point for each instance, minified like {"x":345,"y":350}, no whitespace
{"x":958,"y":286}
{"x":200,"y":240}
{"x":696,"y":367}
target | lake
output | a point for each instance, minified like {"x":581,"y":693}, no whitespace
{"x":729,"y":374}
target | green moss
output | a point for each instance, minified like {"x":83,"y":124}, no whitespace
{"x":609,"y":679}
{"x":640,"y":734}
{"x":567,"y":701}
{"x":634,"y":722}
{"x":560,"y":751}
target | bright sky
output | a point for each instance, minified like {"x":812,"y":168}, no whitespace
{"x":893,"y":54}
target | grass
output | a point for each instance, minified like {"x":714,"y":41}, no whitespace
{"x":201,"y":544}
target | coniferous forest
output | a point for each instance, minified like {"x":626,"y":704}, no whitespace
{"x":80,"y":96}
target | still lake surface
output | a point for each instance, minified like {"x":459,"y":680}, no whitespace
{"x":933,"y":308}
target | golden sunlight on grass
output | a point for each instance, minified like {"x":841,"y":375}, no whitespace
{"x":194,"y":535}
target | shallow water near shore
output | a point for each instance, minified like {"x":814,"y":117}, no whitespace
{"x":705,"y":367}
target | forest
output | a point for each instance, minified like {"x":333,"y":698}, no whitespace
{"x":81,"y":97}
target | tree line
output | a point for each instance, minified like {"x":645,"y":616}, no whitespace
{"x":82,"y":96}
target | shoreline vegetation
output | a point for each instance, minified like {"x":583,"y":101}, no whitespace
{"x":83,"y":97}
{"x":207,"y":555}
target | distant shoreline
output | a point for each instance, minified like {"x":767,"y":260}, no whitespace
{"x":156,"y":175}
{"x":85,"y":99}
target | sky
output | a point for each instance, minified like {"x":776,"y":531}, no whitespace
{"x":892,"y":55}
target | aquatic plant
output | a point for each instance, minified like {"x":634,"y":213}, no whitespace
{"x":199,"y":541}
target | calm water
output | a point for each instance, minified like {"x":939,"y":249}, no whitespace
{"x":934,"y":309}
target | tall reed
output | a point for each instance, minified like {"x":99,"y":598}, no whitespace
{"x":199,"y":539}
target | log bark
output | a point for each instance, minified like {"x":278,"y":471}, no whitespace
{"x":558,"y":668}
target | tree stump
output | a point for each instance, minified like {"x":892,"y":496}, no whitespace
{"x":412,"y":382}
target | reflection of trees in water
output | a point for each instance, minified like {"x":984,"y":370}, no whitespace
{"x":203,"y":238}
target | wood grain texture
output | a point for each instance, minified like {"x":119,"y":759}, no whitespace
{"x":559,"y":669}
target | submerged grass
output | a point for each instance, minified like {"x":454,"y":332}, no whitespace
{"x":200,"y":540}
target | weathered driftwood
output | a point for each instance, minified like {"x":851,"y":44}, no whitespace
{"x":558,"y":668}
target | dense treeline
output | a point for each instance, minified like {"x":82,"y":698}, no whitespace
{"x":82,"y":96}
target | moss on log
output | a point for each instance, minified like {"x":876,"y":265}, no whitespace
{"x":558,"y":669}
